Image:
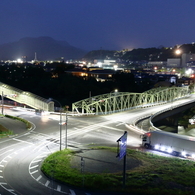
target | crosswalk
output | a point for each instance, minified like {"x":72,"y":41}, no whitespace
{"x":34,"y":168}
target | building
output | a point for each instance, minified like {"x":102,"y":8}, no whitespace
{"x":174,"y":62}
{"x":106,"y":64}
{"x":99,"y":74}
{"x":185,"y":58}
{"x":181,"y":62}
{"x":102,"y":75}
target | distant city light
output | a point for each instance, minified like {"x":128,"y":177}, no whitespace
{"x":19,"y":60}
{"x":115,"y":67}
{"x":99,"y":64}
{"x":189,"y":71}
{"x":178,"y":51}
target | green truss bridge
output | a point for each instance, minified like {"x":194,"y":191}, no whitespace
{"x":121,"y":101}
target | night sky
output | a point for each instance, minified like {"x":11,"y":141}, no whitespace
{"x":105,"y":24}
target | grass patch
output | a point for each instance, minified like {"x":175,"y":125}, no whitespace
{"x":28,"y":124}
{"x":4,"y":132}
{"x":156,"y":175}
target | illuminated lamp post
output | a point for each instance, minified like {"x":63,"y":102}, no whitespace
{"x":115,"y":91}
{"x":177,"y":51}
{"x":66,"y":141}
{"x":190,"y":73}
{"x":2,"y":102}
{"x":60,"y":122}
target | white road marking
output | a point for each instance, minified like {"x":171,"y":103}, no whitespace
{"x":22,"y":141}
{"x":120,"y":124}
{"x":134,"y":128}
{"x":36,"y":161}
{"x":6,"y":152}
{"x":1,"y":183}
{"x":47,"y":183}
{"x":34,"y":172}
{"x":34,"y":167}
{"x":10,"y":190}
{"x":72,"y":192}
{"x":58,"y":188}
{"x":39,"y":178}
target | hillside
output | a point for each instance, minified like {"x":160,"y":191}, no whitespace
{"x":46,"y":48}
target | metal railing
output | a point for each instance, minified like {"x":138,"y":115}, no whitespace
{"x":25,"y":98}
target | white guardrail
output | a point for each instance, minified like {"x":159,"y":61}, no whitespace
{"x":151,"y":116}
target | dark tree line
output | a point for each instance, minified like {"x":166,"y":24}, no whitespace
{"x":141,"y":54}
{"x":66,"y":88}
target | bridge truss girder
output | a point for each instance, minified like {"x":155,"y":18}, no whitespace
{"x":121,"y":101}
{"x":26,"y":98}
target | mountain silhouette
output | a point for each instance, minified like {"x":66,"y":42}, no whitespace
{"x":46,"y":48}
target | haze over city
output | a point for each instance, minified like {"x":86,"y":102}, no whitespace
{"x":106,"y":24}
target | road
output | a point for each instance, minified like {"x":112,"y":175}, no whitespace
{"x":21,"y":155}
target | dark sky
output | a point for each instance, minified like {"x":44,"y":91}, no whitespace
{"x":95,"y":24}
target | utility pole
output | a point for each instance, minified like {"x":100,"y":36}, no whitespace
{"x":2,"y":102}
{"x":66,"y":141}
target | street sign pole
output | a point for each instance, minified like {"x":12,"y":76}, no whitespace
{"x":2,"y":102}
{"x":122,"y":146}
{"x":124,"y":171}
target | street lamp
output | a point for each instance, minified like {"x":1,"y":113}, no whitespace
{"x":178,"y":51}
{"x":60,"y":123}
{"x":114,"y":91}
{"x":66,"y":141}
{"x":2,"y":102}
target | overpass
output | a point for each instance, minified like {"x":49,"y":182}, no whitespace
{"x":121,"y":101}
{"x":26,"y":98}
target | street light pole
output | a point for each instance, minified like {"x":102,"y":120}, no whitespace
{"x":66,"y":131}
{"x":60,"y":122}
{"x":60,"y":127}
{"x":66,"y":141}
{"x":2,"y":102}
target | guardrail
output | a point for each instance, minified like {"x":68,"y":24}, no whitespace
{"x":151,"y":116}
{"x":165,"y":110}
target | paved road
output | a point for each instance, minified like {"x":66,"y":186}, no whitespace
{"x":21,"y":156}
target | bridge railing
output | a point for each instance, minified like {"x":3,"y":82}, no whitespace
{"x":26,"y":98}
{"x":121,"y":101}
